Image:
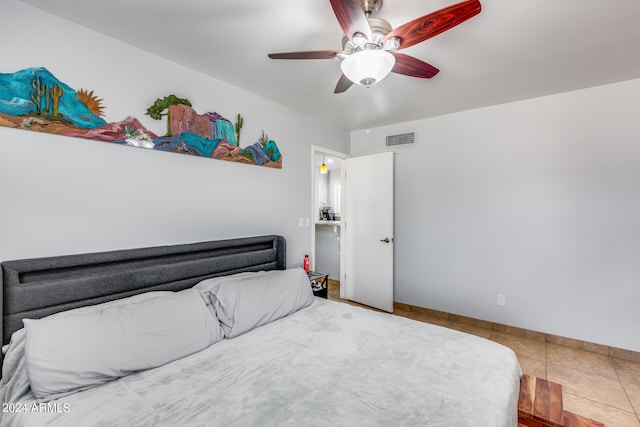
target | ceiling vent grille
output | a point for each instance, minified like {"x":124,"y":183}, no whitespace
{"x":405,"y":138}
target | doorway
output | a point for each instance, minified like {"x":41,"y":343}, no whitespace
{"x":352,"y":234}
{"x":326,"y":212}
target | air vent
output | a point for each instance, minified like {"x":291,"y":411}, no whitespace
{"x":405,"y":138}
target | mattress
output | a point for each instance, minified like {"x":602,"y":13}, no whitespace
{"x":330,"y":364}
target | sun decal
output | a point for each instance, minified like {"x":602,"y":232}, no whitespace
{"x":91,"y":101}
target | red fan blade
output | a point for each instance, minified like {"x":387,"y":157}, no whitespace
{"x":434,"y":23}
{"x":410,"y":66}
{"x":343,"y":84}
{"x":310,"y":54}
{"x":351,"y":17}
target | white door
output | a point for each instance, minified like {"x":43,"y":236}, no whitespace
{"x":368,"y":230}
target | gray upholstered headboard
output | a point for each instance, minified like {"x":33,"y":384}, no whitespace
{"x":34,"y":288}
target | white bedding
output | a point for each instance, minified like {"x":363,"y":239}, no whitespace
{"x":328,"y":364}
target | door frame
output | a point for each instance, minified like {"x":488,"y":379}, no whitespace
{"x":315,"y":150}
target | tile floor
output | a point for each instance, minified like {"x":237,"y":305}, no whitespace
{"x":595,"y":386}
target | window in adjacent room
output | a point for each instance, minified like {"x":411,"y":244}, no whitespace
{"x":336,"y":198}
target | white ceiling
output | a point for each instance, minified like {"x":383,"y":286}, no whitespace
{"x":512,"y":50}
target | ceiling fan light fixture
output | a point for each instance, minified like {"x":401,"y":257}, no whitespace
{"x":368,"y":67}
{"x":359,"y":40}
{"x":393,"y":43}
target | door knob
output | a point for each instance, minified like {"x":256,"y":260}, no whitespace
{"x":386,"y":240}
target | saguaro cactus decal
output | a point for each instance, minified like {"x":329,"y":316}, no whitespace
{"x":56,"y":93}
{"x":239,"y":123}
{"x":36,"y":95}
{"x":47,"y":100}
{"x":263,"y":139}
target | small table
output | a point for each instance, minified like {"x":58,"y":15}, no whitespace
{"x":319,"y":283}
{"x":540,"y":404}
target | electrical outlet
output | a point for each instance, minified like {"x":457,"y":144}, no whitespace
{"x":501,"y":300}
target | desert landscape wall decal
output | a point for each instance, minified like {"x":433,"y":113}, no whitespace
{"x":34,"y":99}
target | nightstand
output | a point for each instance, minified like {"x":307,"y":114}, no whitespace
{"x":319,"y":283}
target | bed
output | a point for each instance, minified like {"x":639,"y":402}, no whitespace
{"x":322,"y":363}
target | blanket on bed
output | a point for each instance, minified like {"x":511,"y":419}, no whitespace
{"x":330,"y":364}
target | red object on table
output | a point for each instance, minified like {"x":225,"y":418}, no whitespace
{"x":306,"y":264}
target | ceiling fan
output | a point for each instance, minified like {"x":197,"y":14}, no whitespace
{"x":370,"y":43}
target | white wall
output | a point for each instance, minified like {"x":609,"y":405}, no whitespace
{"x":323,"y":189}
{"x":64,"y":195}
{"x":538,"y":200}
{"x":328,"y":251}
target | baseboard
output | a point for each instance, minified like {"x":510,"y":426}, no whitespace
{"x":618,"y":353}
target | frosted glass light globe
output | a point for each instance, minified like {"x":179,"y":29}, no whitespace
{"x":368,"y":67}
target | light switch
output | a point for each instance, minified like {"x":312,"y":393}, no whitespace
{"x":307,"y":222}
{"x":300,"y":222}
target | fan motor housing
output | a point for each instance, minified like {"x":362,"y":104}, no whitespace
{"x":371,"y":7}
{"x":379,"y":29}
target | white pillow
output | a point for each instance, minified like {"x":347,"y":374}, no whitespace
{"x":14,"y":351}
{"x":65,"y":354}
{"x":248,"y":300}
{"x":214,"y":283}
